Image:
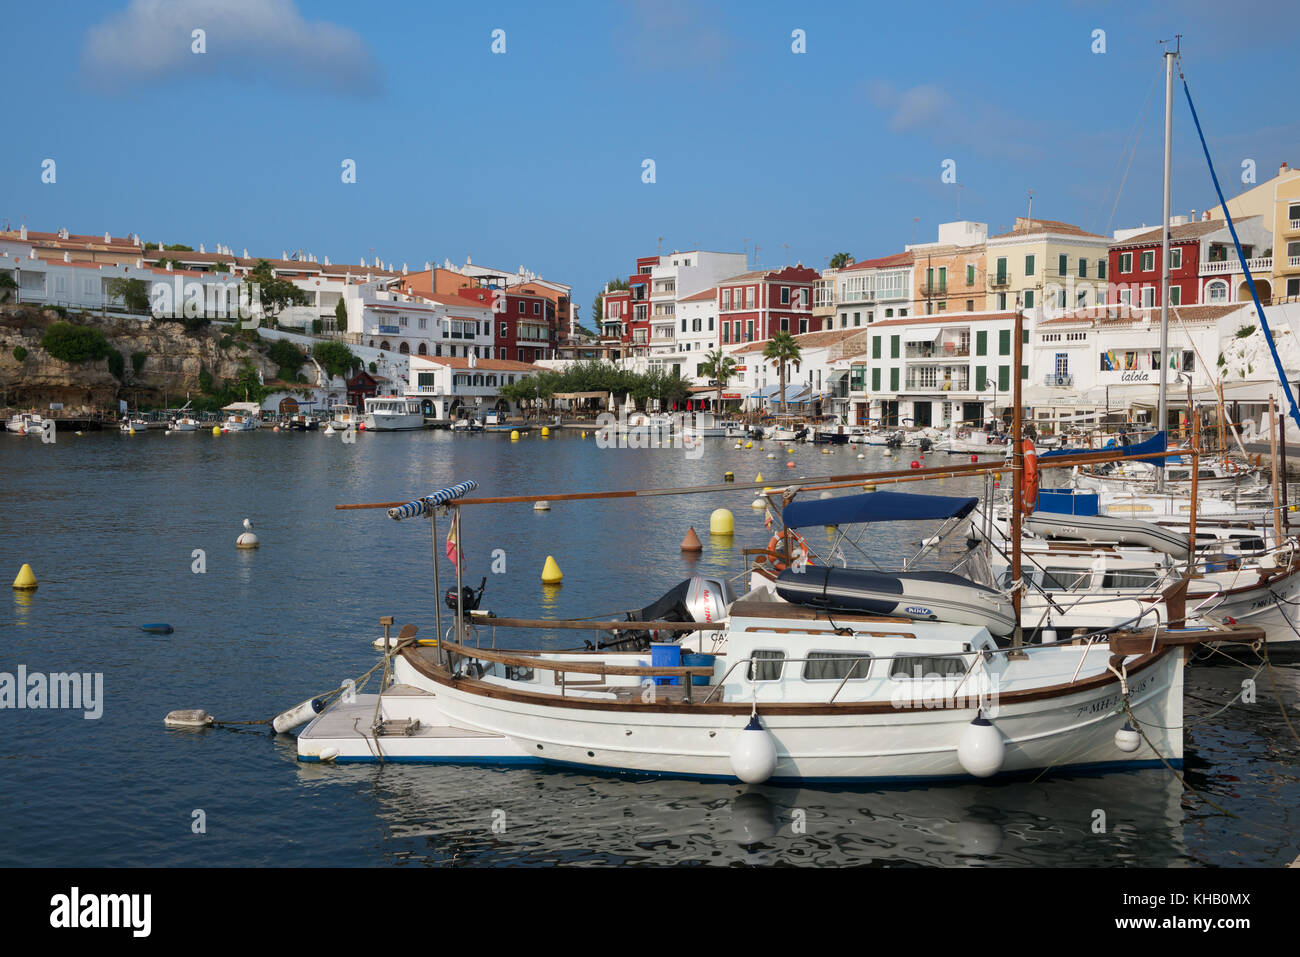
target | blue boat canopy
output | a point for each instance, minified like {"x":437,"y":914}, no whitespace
{"x":1157,"y":443}
{"x":875,"y":507}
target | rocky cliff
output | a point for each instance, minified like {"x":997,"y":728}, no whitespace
{"x":173,"y":361}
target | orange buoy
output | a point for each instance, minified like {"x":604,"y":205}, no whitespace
{"x":691,"y":543}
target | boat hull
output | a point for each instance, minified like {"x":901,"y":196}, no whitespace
{"x":1075,"y":730}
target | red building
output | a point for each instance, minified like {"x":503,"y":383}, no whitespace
{"x":1135,"y":264}
{"x":755,"y":305}
{"x":524,"y":323}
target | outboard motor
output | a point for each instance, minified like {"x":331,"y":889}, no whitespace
{"x":695,"y":599}
{"x":468,"y":599}
{"x":925,"y":445}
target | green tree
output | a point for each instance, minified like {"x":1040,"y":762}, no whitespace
{"x":117,"y":365}
{"x":73,"y":343}
{"x":134,"y":293}
{"x":20,"y":353}
{"x":341,"y":316}
{"x":287,"y":357}
{"x":7,"y":286}
{"x":138,"y":360}
{"x":335,"y":358}
{"x":717,"y":365}
{"x":273,"y":292}
{"x":840,"y":260}
{"x":782,"y":350}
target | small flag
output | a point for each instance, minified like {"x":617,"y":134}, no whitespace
{"x":767,"y":519}
{"x":453,"y":540}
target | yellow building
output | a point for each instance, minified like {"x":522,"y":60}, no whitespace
{"x":1046,"y":264}
{"x":1278,"y":202}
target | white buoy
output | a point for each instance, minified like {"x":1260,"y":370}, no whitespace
{"x":758,"y":503}
{"x":247,"y":539}
{"x":981,"y":749}
{"x":1048,"y":636}
{"x":1126,"y":739}
{"x":329,"y":430}
{"x":542,"y":506}
{"x":753,"y":755}
{"x":192,"y":718}
{"x":298,"y":714}
{"x":825,"y":495}
{"x":329,"y":754}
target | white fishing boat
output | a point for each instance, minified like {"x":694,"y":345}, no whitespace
{"x":133,"y":424}
{"x":184,"y":423}
{"x":769,"y":690}
{"x":25,"y":423}
{"x":392,"y":413}
{"x":700,"y":425}
{"x":972,"y":442}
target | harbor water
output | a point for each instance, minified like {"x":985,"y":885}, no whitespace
{"x":127,"y":530}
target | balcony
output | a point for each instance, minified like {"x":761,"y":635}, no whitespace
{"x":930,"y":290}
{"x":1294,"y":224}
{"x":1224,"y":267}
{"x":1000,"y":280}
{"x":1058,"y":380}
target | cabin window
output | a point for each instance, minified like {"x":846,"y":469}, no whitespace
{"x":1063,"y":579}
{"x":835,"y":666}
{"x":1130,"y":578}
{"x":766,"y":665}
{"x":1247,"y":543}
{"x":928,"y":666}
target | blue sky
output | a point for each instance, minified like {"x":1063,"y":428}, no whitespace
{"x":535,"y":156}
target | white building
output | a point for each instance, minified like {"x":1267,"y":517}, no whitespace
{"x":432,"y":325}
{"x":447,"y":386}
{"x":814,"y":379}
{"x":873,"y":290}
{"x":939,"y":369}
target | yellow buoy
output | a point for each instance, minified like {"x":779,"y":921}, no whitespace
{"x":758,"y":477}
{"x":216,"y":430}
{"x":584,"y":435}
{"x":26,"y":580}
{"x":546,"y":432}
{"x":728,"y":476}
{"x":749,"y":445}
{"x":514,"y":435}
{"x":130,"y":431}
{"x":721,"y":522}
{"x":551,"y":574}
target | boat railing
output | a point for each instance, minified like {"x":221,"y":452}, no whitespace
{"x":601,"y":669}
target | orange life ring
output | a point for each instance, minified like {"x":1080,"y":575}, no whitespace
{"x":1029,"y":482}
{"x":774,"y":549}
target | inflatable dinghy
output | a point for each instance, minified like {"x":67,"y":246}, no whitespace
{"x":924,"y":596}
{"x":1108,"y":529}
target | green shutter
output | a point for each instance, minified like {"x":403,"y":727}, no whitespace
{"x":875,"y":378}
{"x":981,"y":382}
{"x":970,"y":275}
{"x":1062,"y":264}
{"x":893,"y":347}
{"x":1024,"y":336}
{"x":1083,"y":269}
{"x":1029,"y":265}
{"x":1024,"y":372}
{"x":875,"y":347}
{"x":1004,"y":378}
{"x":981,"y":343}
{"x":1004,"y":342}
{"x":1029,"y":299}
{"x":893,"y":379}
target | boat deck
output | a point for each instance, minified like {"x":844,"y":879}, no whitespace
{"x":411,"y":723}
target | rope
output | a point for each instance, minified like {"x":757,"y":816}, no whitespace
{"x":1181,"y":780}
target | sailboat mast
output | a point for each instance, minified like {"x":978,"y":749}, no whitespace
{"x":1163,"y":414}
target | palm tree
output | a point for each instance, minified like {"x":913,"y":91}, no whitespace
{"x":717,"y":365}
{"x":782,"y":349}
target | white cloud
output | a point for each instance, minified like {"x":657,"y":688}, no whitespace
{"x":910,"y":109}
{"x":151,"y":41}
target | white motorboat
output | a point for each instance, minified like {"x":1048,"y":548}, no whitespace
{"x":972,"y":442}
{"x":392,"y":413}
{"x":700,"y":425}
{"x":185,"y":423}
{"x":344,"y":417}
{"x":134,"y":424}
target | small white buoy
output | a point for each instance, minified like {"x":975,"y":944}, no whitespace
{"x":981,"y":749}
{"x":758,"y":503}
{"x":771,"y":455}
{"x":1049,"y":636}
{"x":542,"y":506}
{"x":329,"y":754}
{"x":247,"y":539}
{"x":862,"y":455}
{"x":191,"y":718}
{"x":298,"y":714}
{"x":1126,"y":739}
{"x":329,"y":430}
{"x":753,"y":755}
{"x":825,"y":495}
{"x":932,"y":540}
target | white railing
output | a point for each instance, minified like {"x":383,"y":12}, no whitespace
{"x":1295,"y":224}
{"x":1293,"y":261}
{"x":1226,"y":266}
